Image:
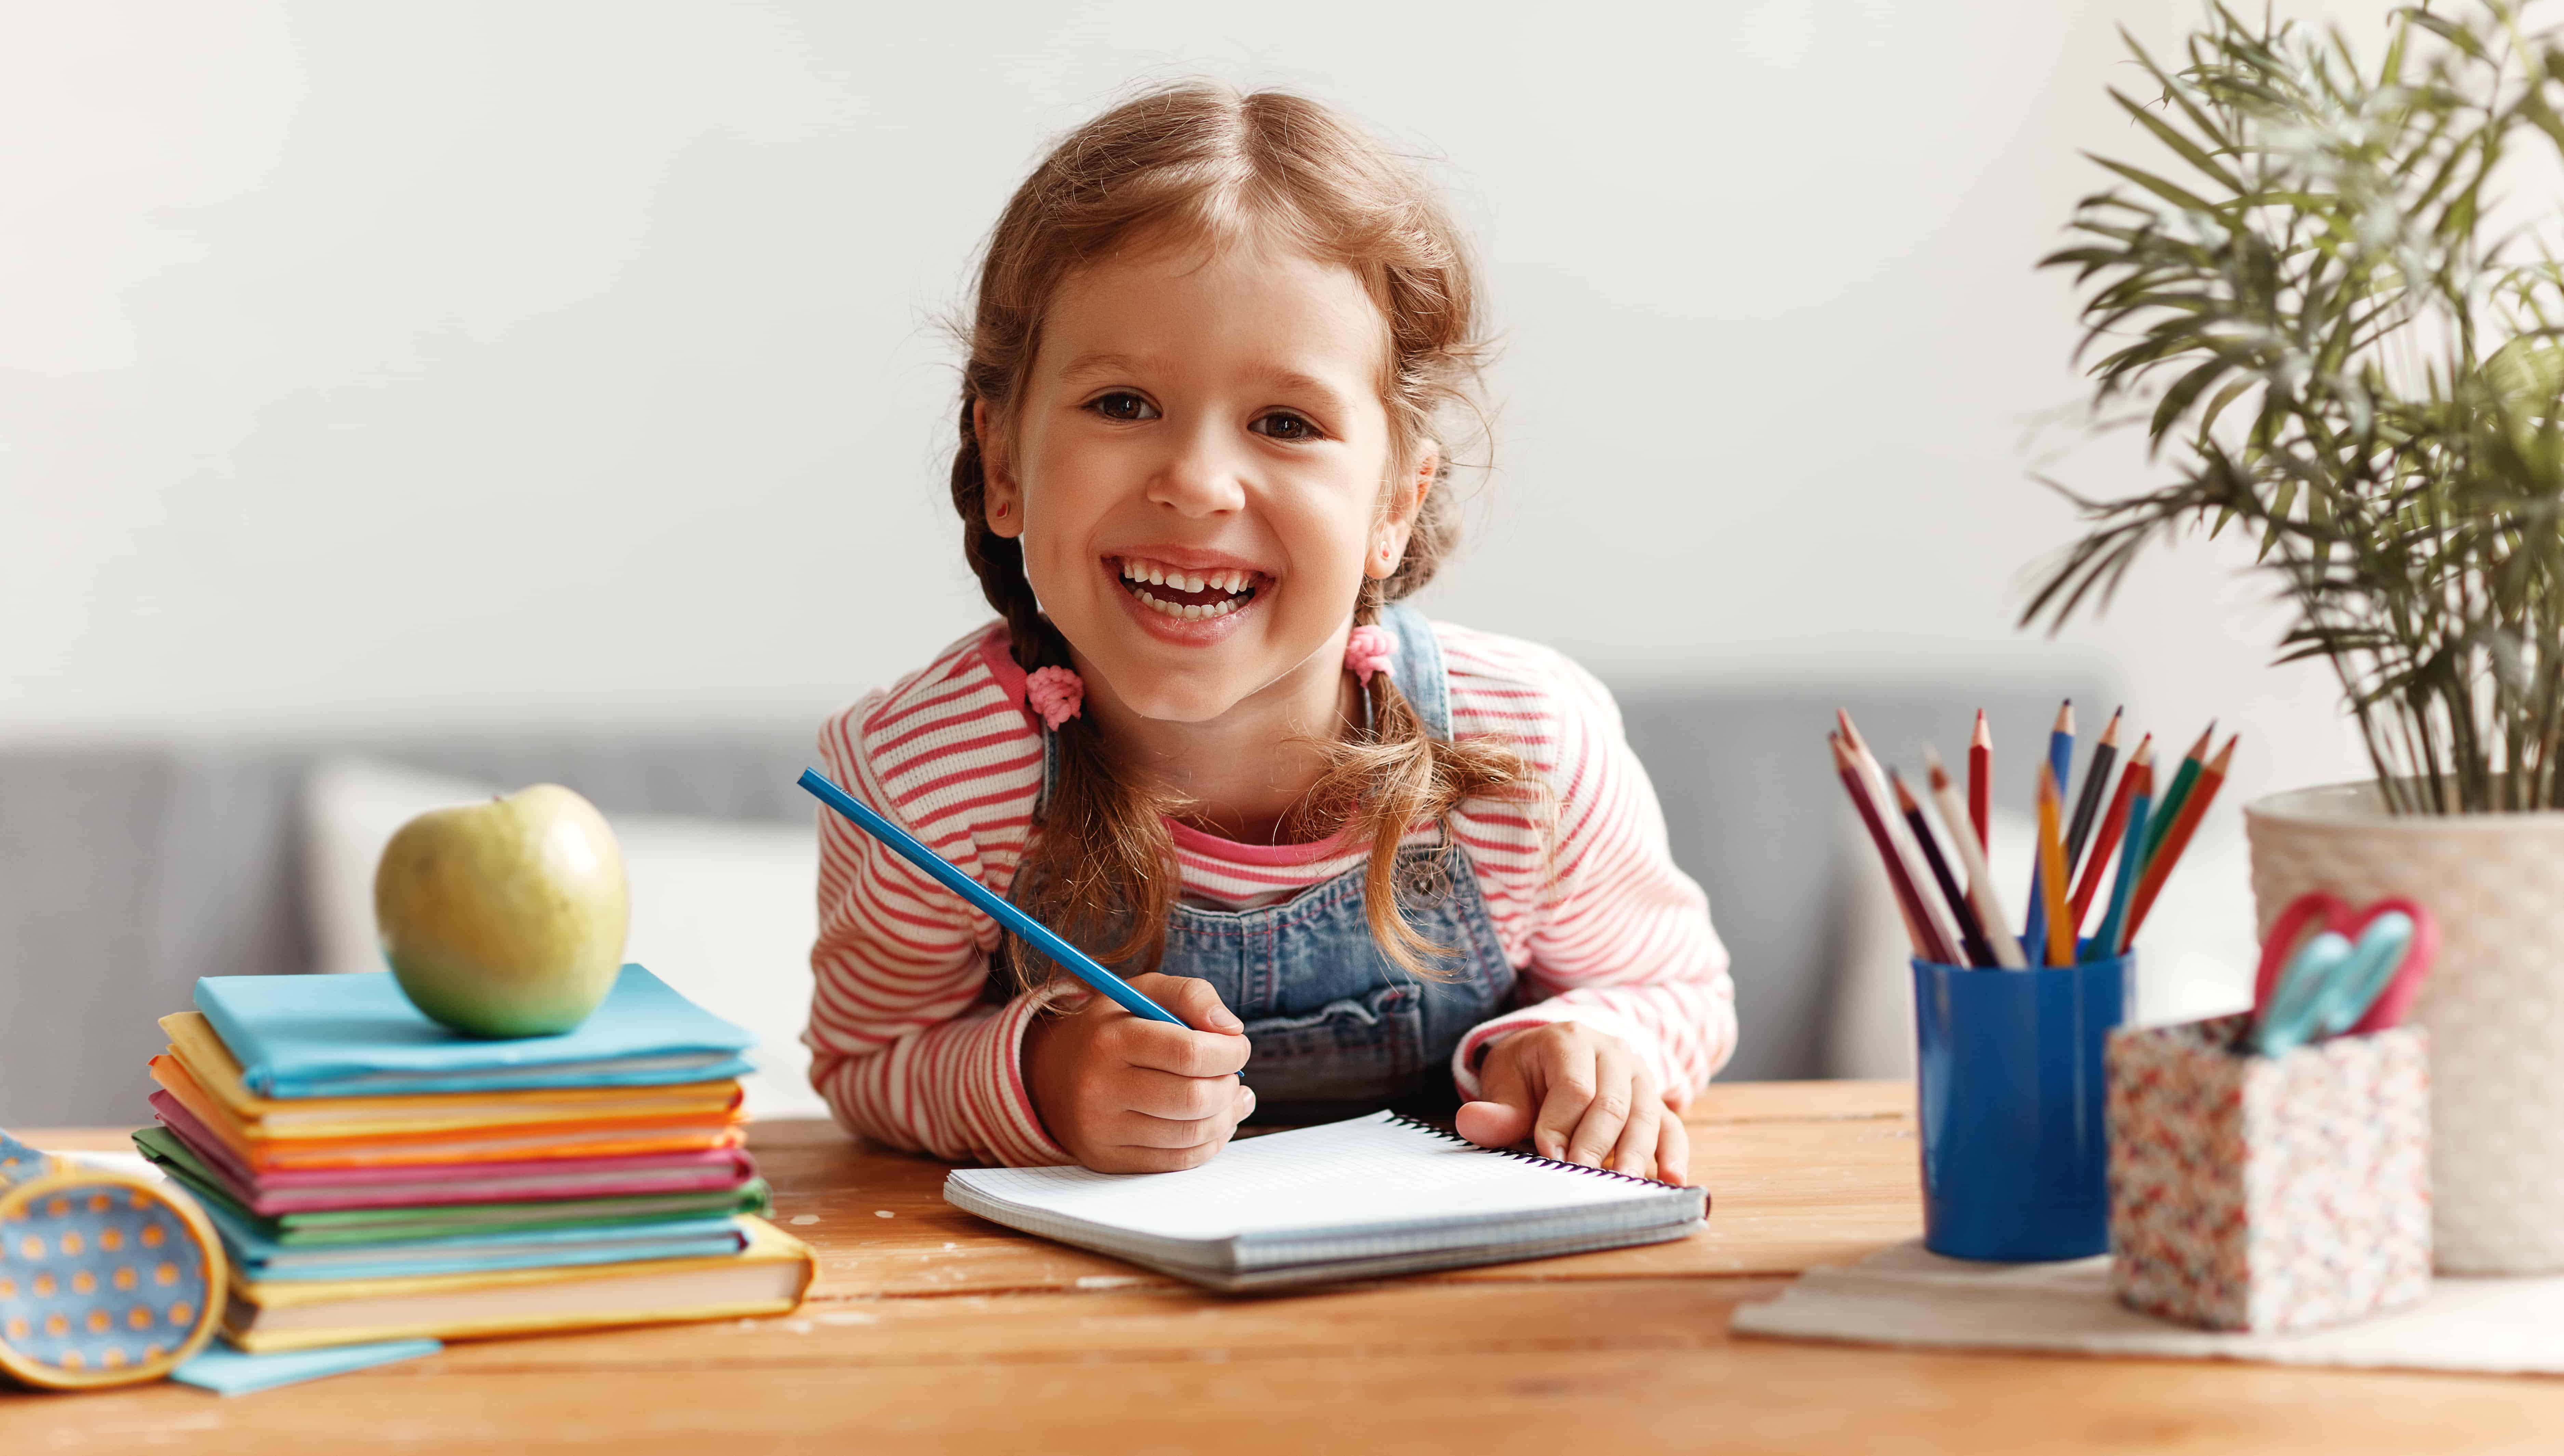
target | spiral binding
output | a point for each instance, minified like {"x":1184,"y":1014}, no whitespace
{"x":1447,"y":1135}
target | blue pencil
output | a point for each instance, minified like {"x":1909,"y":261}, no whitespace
{"x":1075,"y":961}
{"x":2105,"y":941}
{"x":2061,"y":761}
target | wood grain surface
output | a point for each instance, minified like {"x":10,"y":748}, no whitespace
{"x":928,"y":1331}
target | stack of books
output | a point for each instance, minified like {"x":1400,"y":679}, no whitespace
{"x":376,"y":1177}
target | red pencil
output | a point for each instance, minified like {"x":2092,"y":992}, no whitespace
{"x":2177,"y":838}
{"x":1980,"y":781}
{"x":2106,"y":841}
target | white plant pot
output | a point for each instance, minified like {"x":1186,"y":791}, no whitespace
{"x":2494,"y":1000}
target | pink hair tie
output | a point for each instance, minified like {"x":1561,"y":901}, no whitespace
{"x":1056,"y":694}
{"x":1368,"y":649}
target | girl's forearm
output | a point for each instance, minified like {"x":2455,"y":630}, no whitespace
{"x":954,"y":1089}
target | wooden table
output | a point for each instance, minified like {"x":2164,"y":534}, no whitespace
{"x":928,"y":1329}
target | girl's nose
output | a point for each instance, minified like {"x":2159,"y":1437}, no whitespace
{"x":1201,"y":477}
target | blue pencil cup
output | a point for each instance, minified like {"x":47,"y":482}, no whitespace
{"x":2010,"y":1096}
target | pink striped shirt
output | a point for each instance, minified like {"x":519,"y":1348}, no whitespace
{"x":907,"y":1050}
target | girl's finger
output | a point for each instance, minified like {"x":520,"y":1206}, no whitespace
{"x":1673,"y":1150}
{"x":1614,"y":1074}
{"x":1573,"y":1081}
{"x":1636,"y":1153}
{"x":1138,"y":1130}
{"x":1185,"y":1099}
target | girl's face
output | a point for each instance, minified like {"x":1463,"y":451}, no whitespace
{"x":1201,"y":474}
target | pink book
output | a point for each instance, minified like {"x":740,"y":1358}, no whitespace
{"x":316,"y":1190}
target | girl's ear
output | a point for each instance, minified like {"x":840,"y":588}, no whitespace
{"x":1001,"y":499}
{"x":1405,"y":499}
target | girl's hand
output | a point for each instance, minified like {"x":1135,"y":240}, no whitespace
{"x":1583,"y":1096}
{"x":1127,"y":1096}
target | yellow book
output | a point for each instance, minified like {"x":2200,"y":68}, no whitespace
{"x":193,"y":1041}
{"x":768,"y":1277}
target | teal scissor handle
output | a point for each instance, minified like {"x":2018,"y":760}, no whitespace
{"x":2287,"y":1018}
{"x":2330,"y":984}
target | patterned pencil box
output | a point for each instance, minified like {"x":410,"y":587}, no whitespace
{"x":106,"y":1277}
{"x":2269,"y":1194}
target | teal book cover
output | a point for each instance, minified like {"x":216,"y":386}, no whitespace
{"x":261,"y":1258}
{"x":298,"y":1036}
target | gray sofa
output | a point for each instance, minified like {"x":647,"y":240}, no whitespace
{"x":128,"y":871}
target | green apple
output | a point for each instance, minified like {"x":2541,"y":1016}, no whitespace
{"x":505,"y":918}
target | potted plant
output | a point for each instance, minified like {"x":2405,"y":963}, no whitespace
{"x":2332,"y":304}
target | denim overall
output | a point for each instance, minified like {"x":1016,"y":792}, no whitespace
{"x":1336,"y":1028}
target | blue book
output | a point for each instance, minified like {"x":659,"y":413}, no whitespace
{"x":259,"y":1258}
{"x":227,"y":1371}
{"x":358,"y":1036}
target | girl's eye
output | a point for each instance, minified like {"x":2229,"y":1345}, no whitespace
{"x":1284,"y":425}
{"x":1122,"y":404}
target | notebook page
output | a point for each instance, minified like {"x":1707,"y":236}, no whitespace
{"x":1351,"y":1174}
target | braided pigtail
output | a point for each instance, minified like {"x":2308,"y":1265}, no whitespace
{"x":1101,"y":867}
{"x":1395,"y":774}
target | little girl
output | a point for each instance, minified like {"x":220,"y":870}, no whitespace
{"x":1367,"y":858}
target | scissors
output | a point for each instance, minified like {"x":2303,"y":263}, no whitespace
{"x":2332,"y":983}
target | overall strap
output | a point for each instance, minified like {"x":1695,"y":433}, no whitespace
{"x":1417,"y":668}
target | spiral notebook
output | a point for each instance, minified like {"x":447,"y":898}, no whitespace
{"x":1359,"y":1199}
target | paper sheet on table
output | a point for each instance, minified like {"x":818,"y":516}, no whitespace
{"x":1909,"y":1295}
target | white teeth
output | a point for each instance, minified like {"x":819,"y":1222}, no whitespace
{"x":1185,"y":611}
{"x":1155,"y":574}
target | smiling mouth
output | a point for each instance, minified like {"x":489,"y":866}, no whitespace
{"x":1189,"y":595}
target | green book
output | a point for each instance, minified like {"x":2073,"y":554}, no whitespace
{"x":440,"y":1220}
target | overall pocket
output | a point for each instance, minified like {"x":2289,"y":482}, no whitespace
{"x":1364,"y":1049}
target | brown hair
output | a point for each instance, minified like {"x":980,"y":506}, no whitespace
{"x":1200,"y":162}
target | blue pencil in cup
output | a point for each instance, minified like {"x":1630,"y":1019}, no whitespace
{"x":2061,"y":762}
{"x":987,"y":902}
{"x":2107,"y":941}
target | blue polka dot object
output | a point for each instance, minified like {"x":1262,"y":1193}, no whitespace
{"x":106,"y":1278}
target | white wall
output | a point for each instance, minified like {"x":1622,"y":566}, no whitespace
{"x":569,"y":362}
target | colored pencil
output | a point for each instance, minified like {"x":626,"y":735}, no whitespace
{"x":2060,"y":750}
{"x":1906,"y":900}
{"x":1940,"y":927}
{"x":1071,"y":960}
{"x":1980,"y":784}
{"x":2105,"y":842}
{"x":2107,"y":941}
{"x":1972,"y":936}
{"x":1981,"y":889}
{"x":2096,"y":777}
{"x":2059,"y":946}
{"x":2170,"y":807}
{"x":2060,"y":768}
{"x":2176,"y":839}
